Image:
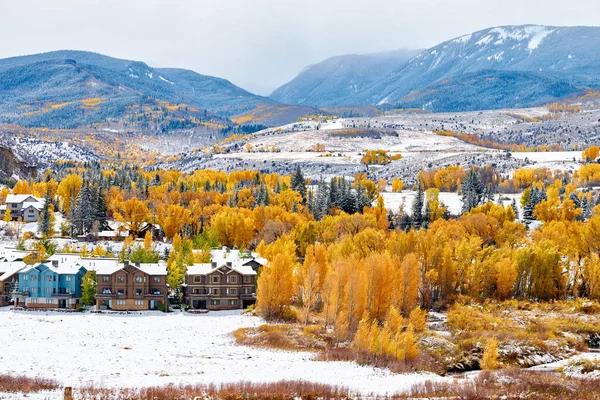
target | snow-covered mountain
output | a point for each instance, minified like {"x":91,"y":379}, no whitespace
{"x":496,"y":67}
{"x":338,"y":79}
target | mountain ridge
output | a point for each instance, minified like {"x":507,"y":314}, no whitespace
{"x":547,"y":56}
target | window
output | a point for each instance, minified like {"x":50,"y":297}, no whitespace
{"x":106,"y":291}
{"x":106,"y":279}
{"x":138,"y":292}
{"x":68,"y":278}
{"x":197,"y":279}
{"x":139,"y":302}
{"x":121,"y":291}
{"x":196,"y":291}
{"x":121,"y":278}
{"x":233,"y":292}
{"x":48,"y":290}
{"x":247,"y":279}
{"x":33,"y":290}
{"x":233,"y":279}
{"x":215,"y":279}
{"x":68,"y":290}
{"x":49,"y":301}
{"x":156,"y":279}
{"x":34,"y":277}
{"x":155,"y":291}
{"x":215,"y":302}
{"x":48,"y":278}
{"x":215,"y":292}
{"x":25,"y":289}
{"x":233,"y":302}
{"x":26,"y":277}
{"x":121,"y":302}
{"x":139,"y":279}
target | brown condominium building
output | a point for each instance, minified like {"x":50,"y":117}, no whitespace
{"x":130,"y":286}
{"x":228,"y":282}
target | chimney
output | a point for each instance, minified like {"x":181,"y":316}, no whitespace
{"x":214,"y":264}
{"x":228,"y":263}
{"x":126,"y":263}
{"x":137,"y":264}
{"x":55,"y":263}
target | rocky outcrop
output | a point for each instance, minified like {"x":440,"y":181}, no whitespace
{"x":12,"y":165}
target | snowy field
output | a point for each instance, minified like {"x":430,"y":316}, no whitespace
{"x":393,"y":201}
{"x":152,"y":348}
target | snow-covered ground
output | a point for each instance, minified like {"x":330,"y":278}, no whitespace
{"x":152,"y":348}
{"x":393,"y":201}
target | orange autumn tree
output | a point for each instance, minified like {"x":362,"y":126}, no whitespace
{"x":133,"y":213}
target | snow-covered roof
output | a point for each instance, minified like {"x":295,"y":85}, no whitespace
{"x":61,"y":269}
{"x":20,"y":198}
{"x":36,"y":205}
{"x":233,"y":259}
{"x":102,"y":266}
{"x":8,"y":269}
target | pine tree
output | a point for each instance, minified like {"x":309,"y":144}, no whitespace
{"x":45,"y":220}
{"x":298,"y":183}
{"x":101,"y":210}
{"x":513,"y":205}
{"x":417,"y":207}
{"x":472,"y":191}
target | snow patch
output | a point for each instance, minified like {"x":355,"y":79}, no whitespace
{"x":165,"y":80}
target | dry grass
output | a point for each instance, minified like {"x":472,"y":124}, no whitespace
{"x":282,"y":390}
{"x":22,"y":384}
{"x":284,"y":337}
{"x":423,"y":363}
{"x":510,"y":384}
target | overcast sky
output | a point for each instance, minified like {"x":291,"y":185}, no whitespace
{"x":261,"y":44}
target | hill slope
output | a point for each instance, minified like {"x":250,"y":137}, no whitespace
{"x":66,"y":89}
{"x":521,"y":66}
{"x":337,"y":80}
{"x":569,"y":55}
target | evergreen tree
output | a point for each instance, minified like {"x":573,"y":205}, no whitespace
{"x":513,"y":205}
{"x":472,"y":191}
{"x":417,"y":207}
{"x":298,"y":183}
{"x":101,"y":210}
{"x":44,"y":226}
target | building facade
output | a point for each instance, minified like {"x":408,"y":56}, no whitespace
{"x":9,"y":280}
{"x":49,"y":285}
{"x":227,"y":283}
{"x":129,"y":286}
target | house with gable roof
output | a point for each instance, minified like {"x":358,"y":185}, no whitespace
{"x":129,"y":286}
{"x":50,"y":284}
{"x":228,"y":282}
{"x":25,"y":206}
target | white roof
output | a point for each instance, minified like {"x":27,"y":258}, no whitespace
{"x":102,"y":266}
{"x":36,"y":205}
{"x":8,"y":269}
{"x":20,"y":198}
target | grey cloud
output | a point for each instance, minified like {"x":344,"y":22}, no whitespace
{"x":260,"y":44}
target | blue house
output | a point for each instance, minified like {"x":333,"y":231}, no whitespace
{"x":50,"y":285}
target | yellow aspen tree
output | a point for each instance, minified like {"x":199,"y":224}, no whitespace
{"x":397,"y":185}
{"x":490,"y":356}
{"x":275,"y":287}
{"x":409,"y":344}
{"x":308,"y":280}
{"x":417,"y":318}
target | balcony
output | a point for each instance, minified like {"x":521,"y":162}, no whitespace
{"x":248,"y":296}
{"x":20,"y":294}
{"x":107,"y":295}
{"x":63,"y":295}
